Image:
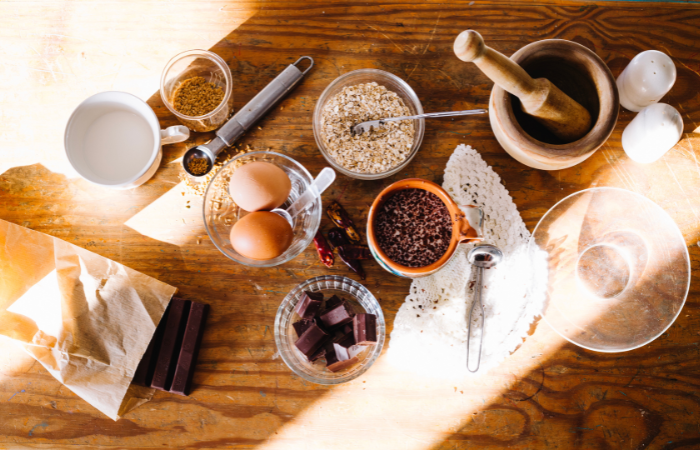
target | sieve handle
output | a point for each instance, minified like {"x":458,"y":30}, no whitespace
{"x":477,"y":299}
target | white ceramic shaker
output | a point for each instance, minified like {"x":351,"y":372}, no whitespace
{"x":645,"y":80}
{"x":653,"y":132}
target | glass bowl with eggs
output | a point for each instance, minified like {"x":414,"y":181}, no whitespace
{"x":237,"y":207}
{"x":359,"y":96}
{"x":342,"y":348}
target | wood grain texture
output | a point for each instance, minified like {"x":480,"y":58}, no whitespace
{"x":548,"y":394}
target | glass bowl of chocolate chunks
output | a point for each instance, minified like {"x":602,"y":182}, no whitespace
{"x":329,"y":329}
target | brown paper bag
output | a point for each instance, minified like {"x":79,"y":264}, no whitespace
{"x":85,"y":318}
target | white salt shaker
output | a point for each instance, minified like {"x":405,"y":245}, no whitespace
{"x":645,"y":80}
{"x":653,"y":132}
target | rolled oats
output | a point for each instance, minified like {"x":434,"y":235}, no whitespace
{"x":375,"y":151}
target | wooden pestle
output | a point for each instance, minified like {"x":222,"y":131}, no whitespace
{"x":561,"y":114}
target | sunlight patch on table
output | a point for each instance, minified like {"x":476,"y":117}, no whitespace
{"x":173,"y":218}
{"x":55,"y":55}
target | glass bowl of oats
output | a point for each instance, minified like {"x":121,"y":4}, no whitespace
{"x":360,"y":96}
{"x":221,"y":213}
{"x":196,"y":86}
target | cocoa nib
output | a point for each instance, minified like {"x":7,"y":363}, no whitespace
{"x":413,"y":228}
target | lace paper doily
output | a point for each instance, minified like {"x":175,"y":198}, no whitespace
{"x":430,"y":329}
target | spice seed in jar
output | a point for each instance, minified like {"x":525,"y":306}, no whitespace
{"x":375,"y":151}
{"x":413,"y":228}
{"x":196,"y":97}
{"x":198,"y":166}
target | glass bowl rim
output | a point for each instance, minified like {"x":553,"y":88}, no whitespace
{"x":218,"y":60}
{"x":531,"y":242}
{"x":211,"y":183}
{"x":371,"y":359}
{"x":418,"y":140}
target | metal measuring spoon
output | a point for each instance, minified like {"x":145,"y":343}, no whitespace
{"x":324,"y":179}
{"x":367,"y":126}
{"x":483,"y":257}
{"x":244,"y":119}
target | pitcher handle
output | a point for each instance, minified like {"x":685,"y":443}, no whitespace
{"x":470,"y":223}
{"x":174,"y":134}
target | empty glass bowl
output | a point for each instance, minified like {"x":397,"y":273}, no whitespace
{"x":221,"y":213}
{"x":361,"y":300}
{"x":392,"y":83}
{"x":619,"y":270}
{"x":198,"y":63}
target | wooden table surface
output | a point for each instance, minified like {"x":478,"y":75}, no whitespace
{"x":548,"y":394}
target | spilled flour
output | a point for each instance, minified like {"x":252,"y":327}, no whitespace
{"x":430,"y":330}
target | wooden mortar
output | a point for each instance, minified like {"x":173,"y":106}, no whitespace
{"x":580,"y":74}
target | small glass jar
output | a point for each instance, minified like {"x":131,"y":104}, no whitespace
{"x":359,"y":298}
{"x":198,"y":63}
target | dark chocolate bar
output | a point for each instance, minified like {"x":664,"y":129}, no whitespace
{"x":365,"y":329}
{"x":337,"y":316}
{"x":309,"y":304}
{"x":144,"y":372}
{"x":170,"y":346}
{"x":311,"y":340}
{"x":302,"y":325}
{"x":182,"y":380}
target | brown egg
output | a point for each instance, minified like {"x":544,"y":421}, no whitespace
{"x":259,"y":186}
{"x":261,"y":235}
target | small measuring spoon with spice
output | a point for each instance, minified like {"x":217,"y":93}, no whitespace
{"x":244,"y":119}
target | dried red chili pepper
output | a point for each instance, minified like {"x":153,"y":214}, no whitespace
{"x":337,"y":237}
{"x":354,"y":264}
{"x":339,"y":240}
{"x":341,"y":218}
{"x":354,"y":252}
{"x":325,"y":252}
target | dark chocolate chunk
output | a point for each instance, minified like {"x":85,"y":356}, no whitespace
{"x":320,"y":353}
{"x":365,"y":329}
{"x":302,"y":325}
{"x":186,"y":362}
{"x":338,"y":358}
{"x":337,"y":316}
{"x":333,"y":302}
{"x":309,"y":304}
{"x":319,"y":323}
{"x":331,"y":356}
{"x":345,"y":340}
{"x":311,"y":340}
{"x":340,"y":365}
{"x":144,"y":372}
{"x":170,"y":346}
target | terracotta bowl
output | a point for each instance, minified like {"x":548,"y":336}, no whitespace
{"x":583,"y":76}
{"x":466,"y":227}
